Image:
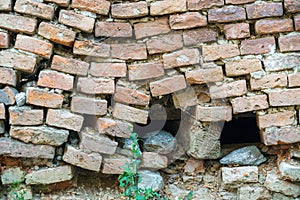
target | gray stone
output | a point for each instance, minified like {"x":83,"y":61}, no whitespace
{"x":253,"y":193}
{"x":200,"y":193}
{"x":290,"y":170}
{"x":12,"y":175}
{"x":279,"y":196}
{"x":20,"y":98}
{"x":235,"y":176}
{"x":150,"y":179}
{"x":249,"y":155}
{"x":160,"y":142}
{"x":2,"y":126}
{"x":7,"y":95}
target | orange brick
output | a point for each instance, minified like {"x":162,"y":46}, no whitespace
{"x":246,"y":104}
{"x":151,"y":28}
{"x":294,"y":79}
{"x":276,"y":119}
{"x":108,"y":69}
{"x":181,"y":58}
{"x":113,"y":29}
{"x":95,"y":85}
{"x":90,"y":48}
{"x":200,"y":76}
{"x":287,"y":97}
{"x":8,"y":76}
{"x":187,"y":20}
{"x":35,"y":8}
{"x":268,"y":81}
{"x":289,"y":43}
{"x":271,"y":9}
{"x":70,"y":66}
{"x":216,"y":52}
{"x":128,"y":113}
{"x":5,"y":5}
{"x":242,"y":67}
{"x":164,"y":43}
{"x":145,"y":71}
{"x":167,"y":85}
{"x":4,"y":40}
{"x":131,"y":96}
{"x":25,"y":116}
{"x":100,"y":7}
{"x":232,"y":89}
{"x":226,"y":14}
{"x":17,"y":23}
{"x":63,"y":3}
{"x":2,"y":111}
{"x":90,"y":106}
{"x":167,"y":7}
{"x":54,"y":79}
{"x":129,"y":51}
{"x":114,"y":127}
{"x":213,"y":113}
{"x":237,"y":31}
{"x":129,"y":10}
{"x":258,"y":46}
{"x":199,"y":5}
{"x":44,"y":98}
{"x":269,"y":26}
{"x":199,"y":36}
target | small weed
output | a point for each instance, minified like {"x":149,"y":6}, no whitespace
{"x":16,"y":192}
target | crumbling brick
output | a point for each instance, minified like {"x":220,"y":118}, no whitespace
{"x":2,"y":111}
{"x":268,"y":81}
{"x":44,"y":98}
{"x":6,"y":5}
{"x":131,"y":96}
{"x":187,"y":20}
{"x":291,"y":6}
{"x":100,"y":7}
{"x":251,"y":103}
{"x":271,"y":9}
{"x":213,"y":113}
{"x":284,"y":97}
{"x":114,"y":127}
{"x":90,"y":48}
{"x":129,"y":10}
{"x":232,"y":89}
{"x":57,"y":80}
{"x":129,"y":51}
{"x":30,"y":7}
{"x":280,"y":135}
{"x":242,"y":67}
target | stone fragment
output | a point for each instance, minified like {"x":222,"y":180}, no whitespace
{"x":25,"y":116}
{"x":114,"y":128}
{"x":69,"y":65}
{"x":35,"y":8}
{"x":161,"y":142}
{"x":2,"y":126}
{"x":153,"y":161}
{"x":4,"y":40}
{"x":12,"y":175}
{"x":187,"y":20}
{"x":290,"y":170}
{"x":20,"y":99}
{"x":150,"y":179}
{"x":125,"y":112}
{"x":2,"y":111}
{"x":167,"y":85}
{"x":100,"y":7}
{"x":234,"y":176}
{"x":44,"y":98}
{"x":90,"y":106}
{"x":193,"y":167}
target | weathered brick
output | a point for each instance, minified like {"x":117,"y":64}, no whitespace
{"x":81,"y":22}
{"x":291,"y":6}
{"x":236,"y":175}
{"x":54,"y":79}
{"x":90,"y":161}
{"x":187,"y":20}
{"x":4,"y":40}
{"x":12,"y":175}
{"x":289,"y":43}
{"x":5,"y":5}
{"x":95,"y":85}
{"x":281,"y":135}
{"x":216,"y":52}
{"x":145,"y":71}
{"x":151,"y":28}
{"x":44,"y":98}
{"x":57,"y":34}
{"x":62,"y":3}
{"x":90,"y":48}
{"x":271,"y":9}
{"x":88,"y":106}
{"x":242,"y":67}
{"x":25,"y":116}
{"x":294,"y":79}
{"x":35,"y":8}
{"x":287,"y":97}
{"x":34,"y":45}
{"x":129,"y":10}
{"x":203,"y":4}
{"x":258,"y":46}
{"x":114,"y":164}
{"x":108,"y":69}
{"x":252,"y":103}
{"x":114,"y":127}
{"x":268,"y":81}
{"x":17,"y":23}
{"x":7,"y":95}
{"x":129,"y":51}
{"x":167,"y":7}
{"x":2,"y":111}
{"x":8,"y":76}
{"x":213,"y":113}
{"x":153,"y":161}
{"x":63,"y":118}
{"x":199,"y":36}
{"x":100,"y":7}
{"x":276,"y":119}
{"x":131,"y":96}
{"x":128,"y":113}
{"x":297,"y":22}
{"x":277,"y":62}
{"x":239,"y":1}
{"x":113,"y":29}
{"x":227,"y":14}
{"x":200,"y":76}
{"x":236,"y":88}
{"x":181,"y":58}
{"x":69,"y":65}
{"x":167,"y":85}
{"x":269,"y":26}
{"x":164,"y":43}
{"x":237,"y":31}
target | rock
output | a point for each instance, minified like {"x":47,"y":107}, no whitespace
{"x":160,"y":142}
{"x":7,"y":95}
{"x":24,"y":191}
{"x":200,"y":193}
{"x":253,"y":192}
{"x":279,"y":196}
{"x":153,"y":161}
{"x":12,"y":175}
{"x":151,"y":180}
{"x":194,"y":167}
{"x":234,"y":176}
{"x":249,"y":155}
{"x":290,"y":170}
{"x":20,"y":98}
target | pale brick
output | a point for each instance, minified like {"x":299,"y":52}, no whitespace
{"x":292,"y":6}
{"x":95,"y":85}
{"x":216,"y":52}
{"x":237,"y":31}
{"x":63,"y":118}
{"x":90,"y":48}
{"x":114,"y":164}
{"x":151,"y":28}
{"x":268,"y":81}
{"x":242,"y":67}
{"x":88,"y":106}
{"x":294,"y":79}
{"x":276,"y":119}
{"x":213,"y":113}
{"x":129,"y":10}
{"x":167,"y":7}
{"x":131,"y":96}
{"x":129,"y":51}
{"x":270,"y":26}
{"x":271,"y":9}
{"x":297,"y":22}
{"x":34,"y":45}
{"x":239,"y":1}
{"x":4,"y":40}
{"x":198,"y":36}
{"x":25,"y":116}
{"x":113,"y":29}
{"x":287,"y":97}
{"x":200,"y":76}
{"x":30,"y":7}
{"x":44,"y":98}
{"x":8,"y":76}
{"x":63,"y":3}
{"x":153,"y":161}
{"x":57,"y":80}
{"x":185,"y":98}
{"x":181,"y":58}
{"x":277,"y":62}
{"x":100,"y":7}
{"x":5,"y":5}
{"x":238,"y":175}
{"x":252,"y":103}
{"x":281,"y":135}
{"x":108,"y":69}
{"x":18,"y":23}
{"x":164,"y":43}
{"x":145,"y":71}
{"x":232,"y":89}
{"x":289,"y":43}
{"x":226,"y":14}
{"x":69,"y":65}
{"x":2,"y":111}
{"x":114,"y":128}
{"x":187,"y":20}
{"x":167,"y":85}
{"x":258,"y":46}
{"x":125,"y":112}
{"x":12,"y":175}
{"x":7,"y":95}
{"x":203,"y":4}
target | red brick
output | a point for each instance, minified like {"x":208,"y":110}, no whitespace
{"x":129,"y":10}
{"x":292,"y":6}
{"x":199,"y":36}
{"x":35,"y":8}
{"x":255,"y":11}
{"x":25,"y":116}
{"x":90,"y":106}
{"x":167,"y":85}
{"x":237,"y":31}
{"x":5,"y":5}
{"x":258,"y":46}
{"x":90,"y":48}
{"x":114,"y":164}
{"x":167,"y":7}
{"x":8,"y":76}
{"x":242,"y":67}
{"x":34,"y":45}
{"x":129,"y":51}
{"x":251,"y":103}
{"x":297,"y":22}
{"x":69,"y":65}
{"x":18,"y":23}
{"x":294,"y":79}
{"x":203,"y":4}
{"x":95,"y":85}
{"x":114,"y":128}
{"x":153,"y":161}
{"x":145,"y":71}
{"x":287,"y":97}
{"x":227,"y":14}
{"x":57,"y":80}
{"x":282,"y":135}
{"x":232,"y":89}
{"x":62,"y":3}
{"x":113,"y":29}
{"x":100,"y":7}
{"x":40,"y":97}
{"x":131,"y":96}
{"x":2,"y":111}
{"x":277,"y":62}
{"x":151,"y":28}
{"x":276,"y":119}
{"x":216,"y":52}
{"x":187,"y":20}
{"x":108,"y":69}
{"x":4,"y":40}
{"x":81,"y":22}
{"x":239,"y":1}
{"x":128,"y":113}
{"x":7,"y":95}
{"x":181,"y":58}
{"x":268,"y":81}
{"x":164,"y":43}
{"x":269,"y":26}
{"x":289,"y":43}
{"x":200,"y":76}
{"x":215,"y":113}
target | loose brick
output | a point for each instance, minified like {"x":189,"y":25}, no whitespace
{"x":151,"y":28}
{"x":114,"y":128}
{"x":239,"y":1}
{"x":185,"y":98}
{"x":108,"y":69}
{"x":282,"y":135}
{"x":235,"y":176}
{"x":246,"y":104}
{"x":35,"y":8}
{"x":88,"y":106}
{"x":277,"y":62}
{"x":113,"y":29}
{"x":242,"y":67}
{"x":216,"y":52}
{"x":200,"y":76}
{"x":5,"y":5}
{"x":4,"y":40}
{"x":34,"y":45}
{"x":199,"y":4}
{"x":269,"y":26}
{"x":131,"y":96}
{"x":276,"y":119}
{"x":90,"y":48}
{"x":81,"y":159}
{"x":167,"y":85}
{"x":199,"y":36}
{"x":181,"y":58}
{"x":114,"y":164}
{"x":69,"y":65}
{"x":129,"y":10}
{"x":145,"y":71}
{"x":164,"y":43}
{"x":226,"y":14}
{"x":236,"y":88}
{"x":258,"y":46}
{"x":44,"y":98}
{"x":268,"y":81}
{"x":237,"y":31}
{"x":2,"y":111}
{"x":100,"y":7}
{"x":292,"y":6}
{"x":215,"y":113}
{"x":128,"y":113}
{"x":54,"y":79}
{"x":289,"y":43}
{"x":187,"y":20}
{"x":294,"y":79}
{"x":81,"y":22}
{"x":167,"y":7}
{"x":96,"y":85}
{"x":287,"y":97}
{"x":255,"y":11}
{"x":129,"y":51}
{"x":153,"y":161}
{"x":7,"y":95}
{"x":297,"y":22}
{"x":8,"y":76}
{"x":25,"y":116}
{"x":63,"y":3}
{"x":18,"y":23}
{"x":63,"y":118}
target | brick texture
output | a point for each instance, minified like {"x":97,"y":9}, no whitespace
{"x":145,"y":71}
{"x":8,"y":76}
{"x":236,"y":88}
{"x":40,"y":97}
{"x":2,"y":111}
{"x":284,"y":98}
{"x":89,"y":106}
{"x":282,"y":135}
{"x":269,"y":26}
{"x":252,"y":103}
{"x":199,"y":36}
{"x":187,"y":20}
{"x":276,"y":119}
{"x":151,"y":28}
{"x":25,"y":116}
{"x":215,"y":113}
{"x":242,"y":67}
{"x":90,"y":48}
{"x":7,"y":95}
{"x":4,"y":40}
{"x":54,"y":79}
{"x":294,"y":79}
{"x":181,"y":58}
{"x":69,"y":65}
{"x":129,"y":51}
{"x":129,"y":10}
{"x":277,"y":62}
{"x":258,"y":46}
{"x":291,"y":6}
{"x":167,"y":85}
{"x":237,"y":31}
{"x":35,"y":8}
{"x":164,"y":43}
{"x":5,"y":5}
{"x":113,"y":29}
{"x":227,"y":14}
{"x":199,"y":5}
{"x":167,"y":7}
{"x":216,"y":52}
{"x":129,"y":113}
{"x":114,"y":128}
{"x":201,"y":76}
{"x":289,"y":43}
{"x":18,"y":23}
{"x":95,"y":85}
{"x":131,"y":97}
{"x":255,"y":11}
{"x":100,"y":7}
{"x":108,"y":69}
{"x":268,"y":81}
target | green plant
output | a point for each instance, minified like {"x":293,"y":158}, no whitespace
{"x":16,"y":192}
